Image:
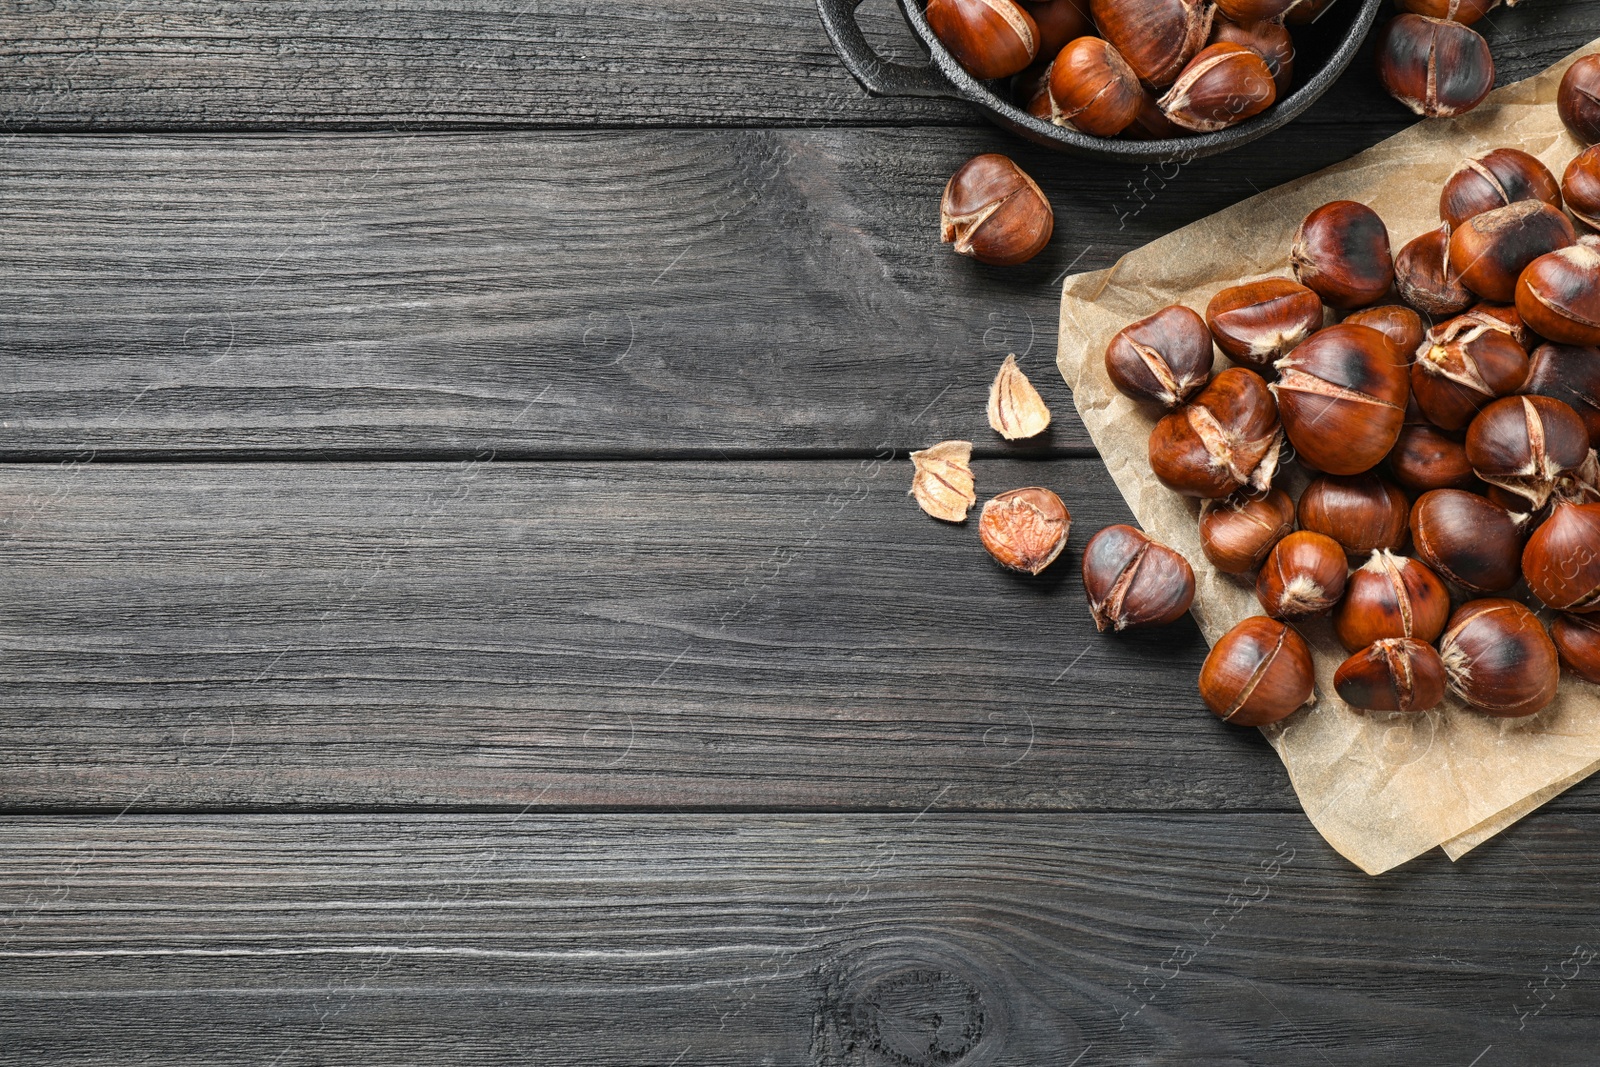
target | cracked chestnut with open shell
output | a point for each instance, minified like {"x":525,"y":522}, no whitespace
{"x":1224,"y":440}
{"x":1342,"y":398}
{"x":1391,"y":596}
{"x":1498,"y":658}
{"x":1133,"y":580}
{"x":1257,"y":323}
{"x":1463,"y":366}
{"x":1522,"y":444}
{"x":1394,"y":674}
{"x":1163,"y":359}
{"x":993,"y":212}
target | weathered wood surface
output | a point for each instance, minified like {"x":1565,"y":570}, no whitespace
{"x":912,"y":940}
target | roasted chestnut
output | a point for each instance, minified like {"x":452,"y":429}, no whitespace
{"x":994,"y":212}
{"x":1257,"y":673}
{"x":989,"y":38}
{"x":1402,"y":326}
{"x":1577,"y":640}
{"x":1132,"y":580}
{"x":1426,"y":457}
{"x":1025,"y":529}
{"x":1162,"y":359}
{"x":1391,"y":596}
{"x":1571,"y":375}
{"x":1462,"y":366}
{"x":1423,"y":275}
{"x":1303,"y":576}
{"x":1468,"y":540}
{"x":1580,"y":185}
{"x":1058,"y":21}
{"x":1342,"y":398}
{"x":1223,"y":84}
{"x":1489,"y":251}
{"x":1249,"y":11}
{"x":1268,"y":38}
{"x":1395,"y":674}
{"x":1361,"y":511}
{"x":1498,"y":658}
{"x":1558,"y":295}
{"x":1465,"y":12}
{"x":1225,"y":439}
{"x":1259,"y":322}
{"x":1237,"y":532}
{"x":1093,"y":89}
{"x":1522,"y":443}
{"x":1341,"y":253}
{"x":1562,"y":559}
{"x":1156,"y":37}
{"x":1435,"y":67}
{"x":1578,"y":99}
{"x":1502,"y":177}
{"x":1152,"y":124}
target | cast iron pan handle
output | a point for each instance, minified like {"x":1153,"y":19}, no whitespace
{"x":877,"y":75}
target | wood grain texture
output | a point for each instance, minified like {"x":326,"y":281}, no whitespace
{"x":826,"y":941}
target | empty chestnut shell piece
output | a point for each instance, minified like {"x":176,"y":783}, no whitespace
{"x":1223,"y":84}
{"x":1225,"y":439}
{"x":1341,"y":253}
{"x":1163,"y":359}
{"x":1523,"y":443}
{"x":1395,"y":674}
{"x":1093,"y":89}
{"x":1402,"y":326}
{"x":989,"y":38}
{"x":1463,"y":366}
{"x":1267,"y":38}
{"x":1342,"y":398}
{"x":1465,"y":12}
{"x":1468,"y":540}
{"x":1424,"y":278}
{"x":1236,"y":533}
{"x":1025,"y":529}
{"x":1558,"y":295}
{"x":1362,"y":512}
{"x":1498,"y":658}
{"x":1391,"y":596}
{"x":1257,"y":673}
{"x":1257,"y":323}
{"x":1580,"y":185}
{"x":1489,"y":251}
{"x":994,"y":212}
{"x":1435,"y":67}
{"x":1156,"y":37}
{"x":1426,"y":457}
{"x":1578,"y":99}
{"x":1577,"y":640}
{"x":1562,"y":560}
{"x":1570,"y":374}
{"x":1304,"y":575}
{"x":1132,"y":580}
{"x":1501,"y":177}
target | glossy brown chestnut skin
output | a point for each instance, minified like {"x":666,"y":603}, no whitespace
{"x":1304,"y":575}
{"x":1522,"y":443}
{"x":1425,"y":279}
{"x":1362,"y":512}
{"x":1342,"y":398}
{"x":993,"y":212}
{"x":1025,"y":529}
{"x":1580,"y":185}
{"x":1341,"y":253}
{"x":1468,"y":540}
{"x":1132,"y":580}
{"x":1577,"y":640}
{"x":1462,"y":367}
{"x":1058,"y":21}
{"x":1558,"y":295}
{"x":1257,"y":673}
{"x":1465,"y":12}
{"x":1395,"y":674}
{"x":1247,"y":11}
{"x":1093,"y":89}
{"x":1402,"y":326}
{"x":1223,"y":440}
{"x":1237,"y":532}
{"x":1151,"y":124}
{"x":989,"y":38}
{"x":1502,"y":317}
{"x":1223,"y":84}
{"x":1426,"y":458}
{"x":1435,"y":67}
{"x":1391,"y":596}
{"x":1269,"y":39}
{"x":1501,"y":177}
{"x":1562,"y":560}
{"x":1570,"y":374}
{"x":1257,"y":323}
{"x":1163,"y":359}
{"x":1306,"y":12}
{"x":1498,"y":658}
{"x":1578,"y":99}
{"x":1489,"y":251}
{"x":1156,"y":37}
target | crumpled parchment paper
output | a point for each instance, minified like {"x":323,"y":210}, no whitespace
{"x":1381,"y":788}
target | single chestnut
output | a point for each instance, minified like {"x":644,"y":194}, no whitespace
{"x":1498,"y":658}
{"x":1093,"y":89}
{"x":1164,"y":359}
{"x":1303,"y":576}
{"x":1570,"y":374}
{"x":1426,"y":457}
{"x":1463,"y":366}
{"x":1468,"y":540}
{"x":1578,"y":99}
{"x":1223,"y":440}
{"x":1257,"y":323}
{"x":1577,"y":641}
{"x":1132,"y":580}
{"x":1058,"y":21}
{"x":1395,"y":674}
{"x":1237,"y":532}
{"x":1465,"y":12}
{"x":1156,"y":37}
{"x":1435,"y":67}
{"x":1268,"y":38}
{"x":1501,"y":177}
{"x":1025,"y":529}
{"x":1222,"y":85}
{"x":1362,"y":512}
{"x":1522,"y":443}
{"x":989,"y":38}
{"x":1391,"y":596}
{"x":1489,"y":251}
{"x":1402,"y":326}
{"x":993,"y":212}
{"x":1342,"y":398}
{"x":1562,"y":560}
{"x":1558,"y":295}
{"x":1341,"y":252}
{"x":1580,"y":185}
{"x":1425,"y":279}
{"x":1257,"y":673}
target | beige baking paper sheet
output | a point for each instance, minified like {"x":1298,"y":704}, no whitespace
{"x":1382,"y":789}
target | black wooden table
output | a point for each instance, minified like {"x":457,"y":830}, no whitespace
{"x":460,"y":602}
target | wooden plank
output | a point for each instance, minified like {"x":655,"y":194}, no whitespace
{"x":779,"y":634}
{"x":793,"y":940}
